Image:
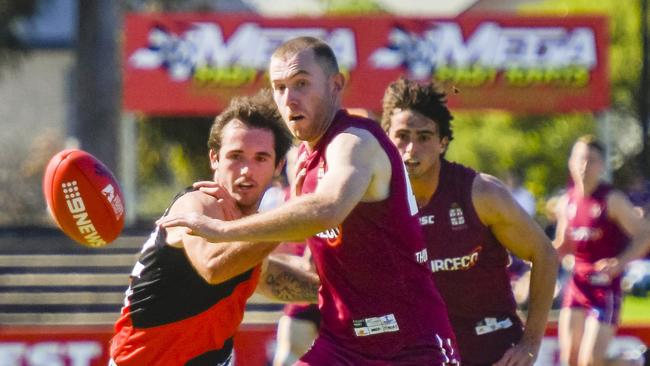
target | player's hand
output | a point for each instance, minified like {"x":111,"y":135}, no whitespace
{"x":212,"y":188}
{"x":228,"y":204}
{"x":199,"y":225}
{"x":296,"y":187}
{"x":609,"y":266}
{"x":521,"y":354}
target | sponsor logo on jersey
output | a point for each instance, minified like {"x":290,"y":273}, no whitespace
{"x":571,"y":210}
{"x":595,"y":210}
{"x":456,"y":263}
{"x":77,"y":209}
{"x":584,"y":233}
{"x":332,"y":236}
{"x":427,"y":220}
{"x":456,"y":217}
{"x":422,"y":256}
{"x":489,"y":325}
{"x":370,"y":326}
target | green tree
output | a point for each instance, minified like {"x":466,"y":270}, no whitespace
{"x":625,"y":65}
{"x":539,"y":145}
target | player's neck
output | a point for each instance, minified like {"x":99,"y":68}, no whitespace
{"x":425,"y":186}
{"x":586,"y":188}
{"x":328,"y":122}
{"x":247,"y":210}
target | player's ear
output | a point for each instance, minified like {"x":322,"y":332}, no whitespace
{"x":214,"y":159}
{"x":279,"y":167}
{"x":445,"y":144}
{"x":339,"y":81}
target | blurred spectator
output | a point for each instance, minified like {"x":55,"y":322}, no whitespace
{"x":638,"y":191}
{"x":524,"y":198}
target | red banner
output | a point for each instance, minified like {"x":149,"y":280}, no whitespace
{"x":89,"y":345}
{"x":192,"y":64}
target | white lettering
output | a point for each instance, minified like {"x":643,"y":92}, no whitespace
{"x":329,"y":234}
{"x":584,"y":233}
{"x":46,"y":354}
{"x":82,"y":353}
{"x":77,"y":208}
{"x":82,"y":219}
{"x":421,"y":256}
{"x":456,"y":263}
{"x":11,"y":353}
{"x":203,"y":45}
{"x":427,"y":220}
{"x":74,"y":353}
{"x":490,"y":46}
{"x":76,"y":205}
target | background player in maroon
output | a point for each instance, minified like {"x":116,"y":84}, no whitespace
{"x":470,"y":220}
{"x":187,"y":296}
{"x":605,"y":232}
{"x":378,"y":303}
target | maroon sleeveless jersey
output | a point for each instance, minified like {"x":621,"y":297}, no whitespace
{"x":592,"y":235}
{"x":469,"y":268}
{"x":376,"y":296}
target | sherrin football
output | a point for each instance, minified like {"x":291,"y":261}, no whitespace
{"x":84,"y":198}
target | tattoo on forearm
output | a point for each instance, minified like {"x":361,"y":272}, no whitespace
{"x":287,"y":286}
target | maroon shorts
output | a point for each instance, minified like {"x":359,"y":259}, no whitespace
{"x":327,"y":353}
{"x":602,"y":301}
{"x":483,"y":341}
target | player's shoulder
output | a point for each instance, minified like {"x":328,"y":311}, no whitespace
{"x":354,"y":138}
{"x":490,"y":195}
{"x":616,"y":201}
{"x":489,"y":187}
{"x":196,"y":201}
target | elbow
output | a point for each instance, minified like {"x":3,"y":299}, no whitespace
{"x":212,"y":272}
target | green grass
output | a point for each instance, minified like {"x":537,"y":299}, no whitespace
{"x":636,"y":310}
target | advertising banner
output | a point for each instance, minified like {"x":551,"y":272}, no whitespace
{"x":192,"y":64}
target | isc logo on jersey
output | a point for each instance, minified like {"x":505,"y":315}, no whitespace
{"x":77,"y":209}
{"x":427,"y":220}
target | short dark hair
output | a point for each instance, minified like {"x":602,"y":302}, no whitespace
{"x":322,"y":52}
{"x":593,"y":143}
{"x":258,"y":111}
{"x":425,"y":99}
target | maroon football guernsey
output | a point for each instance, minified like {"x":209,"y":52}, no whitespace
{"x":377,"y":298}
{"x":593,"y":236}
{"x":469,"y":268}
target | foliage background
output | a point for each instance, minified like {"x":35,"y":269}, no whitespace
{"x":495,"y":141}
{"x":172,"y":152}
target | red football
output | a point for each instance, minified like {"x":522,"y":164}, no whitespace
{"x":84,"y":198}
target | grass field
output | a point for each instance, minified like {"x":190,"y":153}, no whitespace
{"x":636,"y":310}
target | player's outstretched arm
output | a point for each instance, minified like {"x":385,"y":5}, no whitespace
{"x":521,"y":235}
{"x":559,"y":242}
{"x":215,"y":263}
{"x":285,"y":281}
{"x":621,"y":210}
{"x":352,"y":165}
